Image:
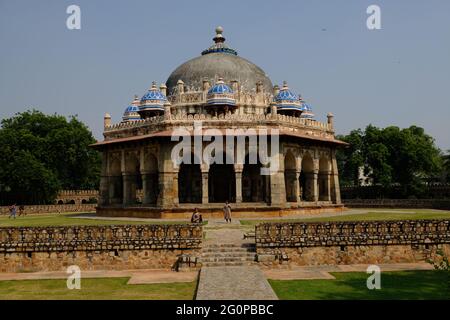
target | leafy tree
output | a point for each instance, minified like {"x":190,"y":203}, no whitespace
{"x":446,"y":165}
{"x":350,"y":159}
{"x":391,"y":155}
{"x":41,"y":154}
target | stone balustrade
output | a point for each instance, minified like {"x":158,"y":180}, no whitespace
{"x":323,"y":234}
{"x":52,"y":208}
{"x":97,"y":238}
{"x":251,"y":119}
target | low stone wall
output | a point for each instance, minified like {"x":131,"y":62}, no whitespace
{"x":215,"y":211}
{"x":96,"y":247}
{"x":398,"y":203}
{"x":352,"y":242}
{"x":53,"y":208}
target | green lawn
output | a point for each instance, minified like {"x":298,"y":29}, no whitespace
{"x":397,"y":285}
{"x":372,"y":214}
{"x":67,"y":219}
{"x":99,"y":288}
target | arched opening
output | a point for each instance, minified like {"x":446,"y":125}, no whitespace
{"x":84,"y":201}
{"x":290,"y":177}
{"x":307,"y":178}
{"x":190,"y":182}
{"x":72,"y":202}
{"x":324,"y":179}
{"x":253,"y":183}
{"x":150,"y":179}
{"x":115,"y":182}
{"x":60,"y":202}
{"x":221,"y":183}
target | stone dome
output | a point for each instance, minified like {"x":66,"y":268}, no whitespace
{"x":218,"y":61}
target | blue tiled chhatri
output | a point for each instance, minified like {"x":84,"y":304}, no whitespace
{"x":131,"y":112}
{"x":287,"y":100}
{"x":220,"y":94}
{"x":154,"y":99}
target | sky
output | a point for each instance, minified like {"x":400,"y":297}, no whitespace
{"x":398,"y":75}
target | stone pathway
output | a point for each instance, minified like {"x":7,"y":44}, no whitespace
{"x":234,"y":283}
{"x":323,"y":272}
{"x":228,"y":270}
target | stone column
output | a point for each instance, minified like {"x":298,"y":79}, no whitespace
{"x":104,"y":191}
{"x":327,"y":179}
{"x":335,"y":190}
{"x":129,"y":189}
{"x":205,"y":196}
{"x":148,"y":188}
{"x":277,"y":189}
{"x":104,"y":181}
{"x":315,"y":185}
{"x":168,"y":193}
{"x":238,"y":176}
{"x":277,"y":184}
{"x":297,"y":186}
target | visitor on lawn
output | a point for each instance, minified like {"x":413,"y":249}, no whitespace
{"x":196,"y":217}
{"x":12,"y":211}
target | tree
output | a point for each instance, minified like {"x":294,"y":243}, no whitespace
{"x":446,"y":165}
{"x":350,"y":159}
{"x":41,"y":154}
{"x":391,"y":155}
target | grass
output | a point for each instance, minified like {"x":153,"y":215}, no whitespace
{"x":98,"y":288}
{"x":384,"y":214}
{"x":68,"y":219}
{"x":399,"y":285}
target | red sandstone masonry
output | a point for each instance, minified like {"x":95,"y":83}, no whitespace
{"x":352,"y":242}
{"x":53,"y":208}
{"x":96,"y":247}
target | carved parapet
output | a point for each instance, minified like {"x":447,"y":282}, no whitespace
{"x":283,"y":122}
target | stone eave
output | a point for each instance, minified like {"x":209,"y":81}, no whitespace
{"x":168,"y":133}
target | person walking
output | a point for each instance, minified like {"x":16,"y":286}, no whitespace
{"x":21,"y":210}
{"x":12,"y":211}
{"x":227,"y":212}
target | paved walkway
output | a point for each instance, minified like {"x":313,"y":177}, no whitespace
{"x":234,"y":283}
{"x":323,"y":272}
{"x":231,"y":282}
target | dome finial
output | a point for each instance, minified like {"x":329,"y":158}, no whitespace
{"x":219,"y":37}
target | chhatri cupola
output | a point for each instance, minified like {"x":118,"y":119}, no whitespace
{"x":152,"y":103}
{"x":220,"y":98}
{"x":132,"y":111}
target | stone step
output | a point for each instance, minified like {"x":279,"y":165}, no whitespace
{"x":228,"y":255}
{"x":227,"y":250}
{"x":230,"y":245}
{"x":227,"y":264}
{"x":227,"y":259}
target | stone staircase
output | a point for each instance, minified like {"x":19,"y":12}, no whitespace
{"x":228,"y":254}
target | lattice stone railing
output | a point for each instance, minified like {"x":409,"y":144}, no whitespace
{"x":233,"y":118}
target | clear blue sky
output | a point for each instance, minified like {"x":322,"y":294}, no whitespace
{"x":399,"y":75}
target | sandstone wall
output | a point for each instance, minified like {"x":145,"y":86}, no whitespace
{"x":352,"y":242}
{"x":52,"y":208}
{"x":96,"y":247}
{"x":398,"y":203}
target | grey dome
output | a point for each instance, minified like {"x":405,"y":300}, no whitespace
{"x":218,"y":61}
